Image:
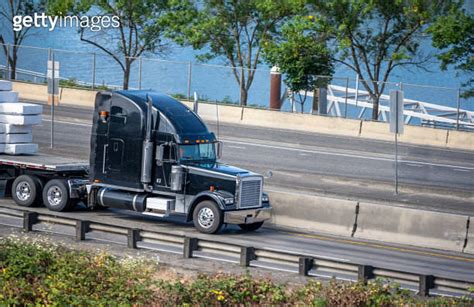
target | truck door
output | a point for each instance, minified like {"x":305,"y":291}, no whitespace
{"x":163,"y":169}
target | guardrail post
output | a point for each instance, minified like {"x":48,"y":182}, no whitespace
{"x":426,"y":282}
{"x":364,"y":273}
{"x":133,"y":236}
{"x":247,"y":254}
{"x":305,"y":265}
{"x":190,"y":245}
{"x":29,"y":219}
{"x":82,"y":227}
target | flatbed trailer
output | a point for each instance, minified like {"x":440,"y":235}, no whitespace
{"x":24,"y":177}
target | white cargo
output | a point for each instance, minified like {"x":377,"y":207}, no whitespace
{"x":20,"y":119}
{"x":18,"y":149}
{"x":5,"y":85}
{"x":9,"y":128}
{"x":15,"y":138}
{"x":8,"y":96}
{"x":20,"y":108}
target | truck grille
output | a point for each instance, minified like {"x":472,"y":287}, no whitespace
{"x":250,"y":192}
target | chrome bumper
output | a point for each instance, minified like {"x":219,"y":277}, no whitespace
{"x":248,"y":216}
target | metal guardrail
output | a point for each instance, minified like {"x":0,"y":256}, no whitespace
{"x":246,"y":256}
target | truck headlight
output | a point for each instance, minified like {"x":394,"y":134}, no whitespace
{"x":265,"y":198}
{"x":228,"y":201}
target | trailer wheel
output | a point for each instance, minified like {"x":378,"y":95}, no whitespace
{"x":207,"y":217}
{"x":56,"y":196}
{"x":251,"y":227}
{"x":26,"y":190}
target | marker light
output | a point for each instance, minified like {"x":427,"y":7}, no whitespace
{"x":212,"y":188}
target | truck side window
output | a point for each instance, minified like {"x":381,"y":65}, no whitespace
{"x":118,"y":115}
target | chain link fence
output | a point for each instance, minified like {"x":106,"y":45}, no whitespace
{"x":346,"y":97}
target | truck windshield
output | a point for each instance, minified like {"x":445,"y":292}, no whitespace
{"x":197,"y":152}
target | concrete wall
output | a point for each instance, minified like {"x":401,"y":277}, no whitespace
{"x":313,"y":213}
{"x":410,"y":226}
{"x":282,"y":120}
{"x":369,"y":221}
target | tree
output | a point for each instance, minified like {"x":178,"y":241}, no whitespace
{"x":230,"y":30}
{"x":8,"y":10}
{"x":373,"y":37}
{"x":302,"y":55}
{"x":454,"y":34}
{"x":138,"y":31}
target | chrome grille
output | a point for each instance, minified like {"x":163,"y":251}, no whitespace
{"x":250,"y":192}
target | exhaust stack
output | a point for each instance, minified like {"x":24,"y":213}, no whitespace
{"x":147,"y":155}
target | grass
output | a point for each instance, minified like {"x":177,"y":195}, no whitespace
{"x":41,"y":273}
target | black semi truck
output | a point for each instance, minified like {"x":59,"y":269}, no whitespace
{"x":151,"y":154}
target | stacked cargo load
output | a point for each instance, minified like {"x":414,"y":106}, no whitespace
{"x":16,"y":122}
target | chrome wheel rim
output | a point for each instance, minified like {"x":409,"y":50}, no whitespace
{"x":23,"y":191}
{"x":206,"y":217}
{"x":54,"y":196}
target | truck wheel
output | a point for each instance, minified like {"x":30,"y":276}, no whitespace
{"x":207,"y":217}
{"x":251,"y":227}
{"x":56,"y":196}
{"x":26,"y":190}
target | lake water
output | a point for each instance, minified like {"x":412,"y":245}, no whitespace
{"x":169,"y":72}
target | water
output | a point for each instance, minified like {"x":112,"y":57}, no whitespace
{"x":211,"y":82}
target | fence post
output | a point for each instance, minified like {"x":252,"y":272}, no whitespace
{"x":29,"y":219}
{"x":190,"y":245}
{"x":345,"y":99}
{"x":93,"y":70}
{"x":364,"y":273}
{"x":8,"y":62}
{"x":133,"y":236}
{"x":247,"y":254}
{"x":140,"y":73}
{"x":426,"y":282}
{"x":305,"y":265}
{"x":458,"y":107}
{"x":82,"y":227}
{"x":190,"y":68}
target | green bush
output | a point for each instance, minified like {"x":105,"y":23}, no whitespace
{"x":40,"y":273}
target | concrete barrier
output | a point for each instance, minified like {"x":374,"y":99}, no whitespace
{"x":75,"y":97}
{"x":461,"y":140}
{"x":424,"y":136}
{"x":30,"y":91}
{"x":412,"y":227}
{"x":313,"y":213}
{"x":301,"y":122}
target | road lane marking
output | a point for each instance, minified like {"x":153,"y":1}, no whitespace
{"x":312,"y":151}
{"x":238,"y":147}
{"x":460,"y":170}
{"x":414,"y":165}
{"x":381,"y":246}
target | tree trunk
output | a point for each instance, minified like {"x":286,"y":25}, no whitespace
{"x":126,"y":74}
{"x":243,"y":96}
{"x":316,"y":94}
{"x":13,"y":63}
{"x":375,"y":109}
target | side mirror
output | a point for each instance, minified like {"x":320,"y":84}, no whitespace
{"x":219,"y":148}
{"x":160,"y":149}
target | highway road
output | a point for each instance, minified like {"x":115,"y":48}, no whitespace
{"x":435,"y":178}
{"x":455,"y":266}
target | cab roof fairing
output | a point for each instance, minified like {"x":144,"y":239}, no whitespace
{"x":187,"y":127}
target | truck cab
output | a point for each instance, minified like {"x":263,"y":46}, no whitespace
{"x":152,"y":154}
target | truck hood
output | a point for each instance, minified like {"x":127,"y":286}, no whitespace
{"x":219,"y":168}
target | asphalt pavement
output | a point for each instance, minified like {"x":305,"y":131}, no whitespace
{"x":432,"y":178}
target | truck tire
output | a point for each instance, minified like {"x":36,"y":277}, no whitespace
{"x":26,"y":190}
{"x":251,"y":227}
{"x":56,"y":196}
{"x":207,"y":217}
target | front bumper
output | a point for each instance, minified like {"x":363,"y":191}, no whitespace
{"x":248,"y":216}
